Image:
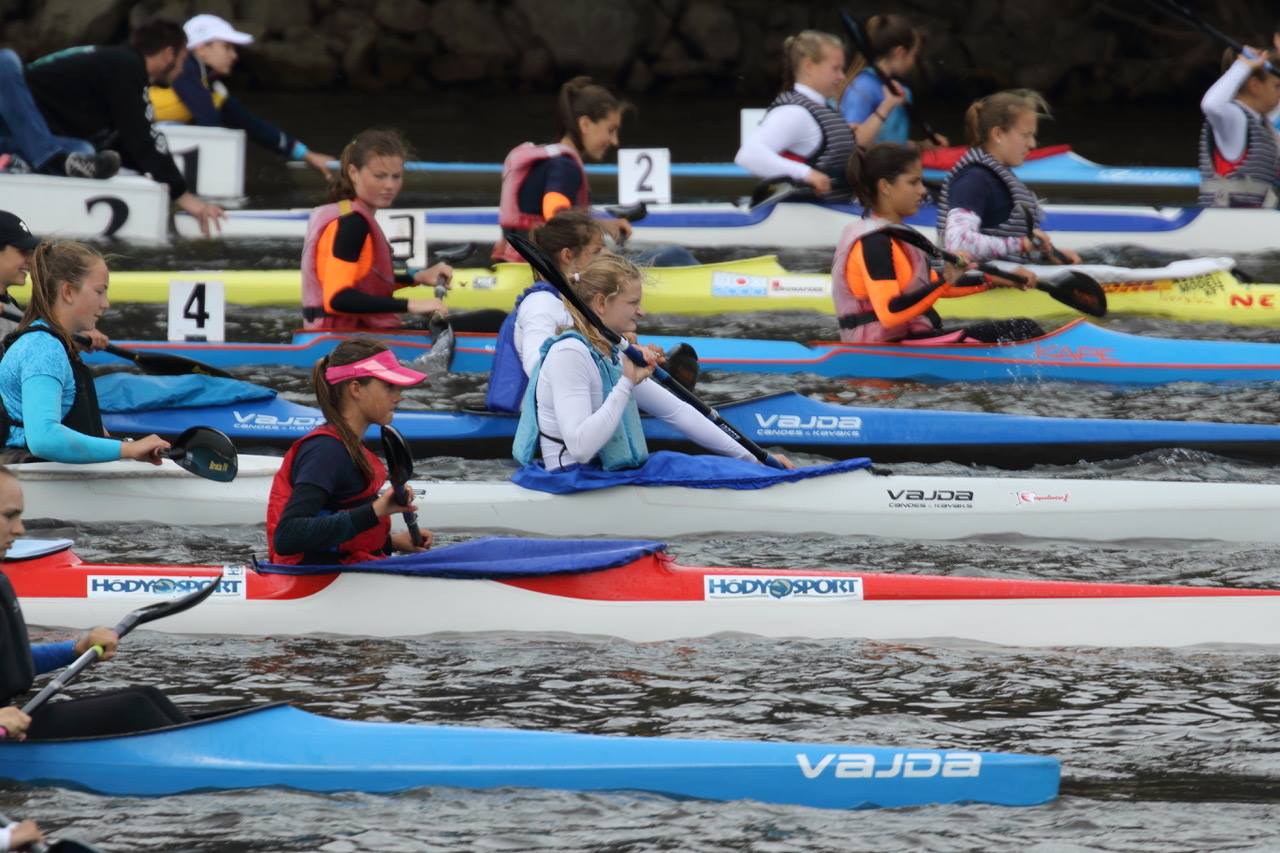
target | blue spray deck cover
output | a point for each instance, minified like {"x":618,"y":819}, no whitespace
{"x":668,"y":468}
{"x":496,"y":557}
{"x":128,"y":392}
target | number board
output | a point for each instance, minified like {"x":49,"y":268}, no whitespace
{"x":197,"y":311}
{"x":644,"y":174}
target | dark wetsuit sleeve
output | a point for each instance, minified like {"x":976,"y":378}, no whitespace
{"x":195,"y":96}
{"x":306,"y":524}
{"x":261,"y":131}
{"x":556,"y":175}
{"x":137,"y":140}
{"x":348,"y":243}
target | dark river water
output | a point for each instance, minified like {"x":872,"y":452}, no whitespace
{"x":1161,"y":750}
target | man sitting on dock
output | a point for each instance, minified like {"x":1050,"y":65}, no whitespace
{"x":100,"y":94}
{"x":199,"y":96}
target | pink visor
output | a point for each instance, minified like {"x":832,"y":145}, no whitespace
{"x":382,"y":366}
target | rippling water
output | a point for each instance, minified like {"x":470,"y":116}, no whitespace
{"x":1161,"y":750}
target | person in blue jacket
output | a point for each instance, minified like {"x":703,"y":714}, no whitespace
{"x":198,"y":95}
{"x":876,"y":112}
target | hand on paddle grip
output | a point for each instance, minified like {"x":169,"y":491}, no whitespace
{"x":13,"y":723}
{"x":394,"y":500}
{"x":103,"y":639}
{"x":149,"y":449}
{"x":820,"y":181}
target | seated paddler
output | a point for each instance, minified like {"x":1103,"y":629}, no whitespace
{"x":50,"y":406}
{"x":348,"y":275}
{"x":328,"y":504}
{"x":584,"y":398}
{"x":109,"y":712}
{"x":883,"y":287}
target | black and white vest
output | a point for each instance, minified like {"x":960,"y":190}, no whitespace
{"x":1023,"y":198}
{"x":832,"y":156}
{"x":1253,"y":182}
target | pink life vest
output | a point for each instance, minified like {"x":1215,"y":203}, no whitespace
{"x":850,"y":306}
{"x":515,"y":169}
{"x":379,"y":281}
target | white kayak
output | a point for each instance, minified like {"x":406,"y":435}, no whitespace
{"x":853,"y":503}
{"x":801,"y":225}
{"x":639,"y":594}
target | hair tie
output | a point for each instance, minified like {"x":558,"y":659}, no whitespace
{"x":577,"y":278}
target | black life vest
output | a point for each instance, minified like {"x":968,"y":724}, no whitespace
{"x":17,"y":670}
{"x":84,"y":416}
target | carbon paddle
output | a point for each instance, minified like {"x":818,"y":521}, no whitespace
{"x":62,"y":845}
{"x":205,"y":452}
{"x":551,"y":274}
{"x":854,"y":29}
{"x":141,"y":616}
{"x":1180,"y":11}
{"x":157,"y":364}
{"x":1075,"y":290}
{"x":399,"y":470}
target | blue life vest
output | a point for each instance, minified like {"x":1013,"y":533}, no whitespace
{"x":625,"y":449}
{"x":507,"y":380}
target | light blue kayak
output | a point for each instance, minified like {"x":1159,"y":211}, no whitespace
{"x":278,"y":745}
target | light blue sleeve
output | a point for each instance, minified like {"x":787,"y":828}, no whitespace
{"x":45,"y":433}
{"x":861,"y":98}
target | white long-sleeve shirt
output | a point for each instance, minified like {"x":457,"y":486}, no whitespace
{"x":572,"y":407}
{"x":789,"y":127}
{"x":542,"y":315}
{"x":1224,"y":114}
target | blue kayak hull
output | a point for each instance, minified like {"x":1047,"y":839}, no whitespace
{"x":788,"y":420}
{"x":1077,"y":352}
{"x":283,"y":746}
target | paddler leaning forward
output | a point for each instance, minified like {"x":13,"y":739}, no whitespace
{"x":131,"y":709}
{"x":584,"y":398}
{"x":325,"y":507}
{"x":49,"y":404}
{"x":883,"y":287}
{"x":348,"y":277}
{"x":984,"y":207}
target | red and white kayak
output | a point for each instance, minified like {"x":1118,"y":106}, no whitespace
{"x":649,"y":598}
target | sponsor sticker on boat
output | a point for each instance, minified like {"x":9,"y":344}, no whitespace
{"x":930,"y":498}
{"x":808,"y":426}
{"x":782,"y":587}
{"x":908,"y":765}
{"x":263,"y":422}
{"x":484,"y":282}
{"x":799,"y":286}
{"x":232,"y":585}
{"x":1027,"y":497}
{"x":731,"y":284}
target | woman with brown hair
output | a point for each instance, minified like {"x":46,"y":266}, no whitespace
{"x":874,"y":110}
{"x":50,"y":406}
{"x":538,"y":181}
{"x":325,"y":505}
{"x":348,"y":279}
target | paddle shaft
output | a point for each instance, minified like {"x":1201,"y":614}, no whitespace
{"x":556,"y":279}
{"x":1180,"y":11}
{"x":909,"y":235}
{"x":860,"y":41}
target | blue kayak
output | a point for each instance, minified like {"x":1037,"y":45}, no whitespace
{"x":1076,"y":352}
{"x":788,"y":420}
{"x":282,"y":746}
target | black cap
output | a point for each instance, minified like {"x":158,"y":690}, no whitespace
{"x":14,"y":232}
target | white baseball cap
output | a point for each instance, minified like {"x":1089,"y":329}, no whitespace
{"x":206,"y":28}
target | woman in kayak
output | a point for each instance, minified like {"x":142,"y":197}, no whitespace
{"x":584,"y":399}
{"x":324,"y":506}
{"x":984,"y":208}
{"x":50,"y":406}
{"x":875,"y":111}
{"x":112,"y":712}
{"x":801,"y":137}
{"x":570,"y":238}
{"x":348,"y":281}
{"x":1239,"y":150}
{"x":883,"y":287}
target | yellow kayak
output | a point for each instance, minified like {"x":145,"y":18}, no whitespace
{"x":760,"y":284}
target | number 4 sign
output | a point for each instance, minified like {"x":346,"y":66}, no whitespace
{"x":197,"y":311}
{"x":644,"y":174}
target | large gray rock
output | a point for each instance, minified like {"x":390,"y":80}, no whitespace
{"x":402,"y":16}
{"x":63,"y":23}
{"x":583,"y":35}
{"x":298,"y":65}
{"x":468,"y":28}
{"x":273,"y":17}
{"x":711,"y":30}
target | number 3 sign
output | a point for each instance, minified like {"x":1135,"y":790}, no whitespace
{"x":197,"y":311}
{"x":644,"y":174}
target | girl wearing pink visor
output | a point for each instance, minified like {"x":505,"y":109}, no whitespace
{"x":327,"y":503}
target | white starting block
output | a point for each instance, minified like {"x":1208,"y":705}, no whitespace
{"x":127,"y":207}
{"x":210,"y":158}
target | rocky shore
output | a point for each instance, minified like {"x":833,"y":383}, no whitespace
{"x":1074,"y":50}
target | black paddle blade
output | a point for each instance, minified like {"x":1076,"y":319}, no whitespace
{"x":439,"y":359}
{"x":161,"y":364}
{"x":69,"y":845}
{"x":682,"y":364}
{"x":206,"y":452}
{"x":161,"y":609}
{"x":1080,"y":292}
{"x":541,"y":264}
{"x":399,"y":470}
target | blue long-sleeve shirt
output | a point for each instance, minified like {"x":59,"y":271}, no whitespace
{"x":50,"y":656}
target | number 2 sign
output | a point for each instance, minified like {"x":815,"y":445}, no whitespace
{"x":644,"y":174}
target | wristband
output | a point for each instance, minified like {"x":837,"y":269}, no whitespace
{"x":299,"y":151}
{"x":882,"y":118}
